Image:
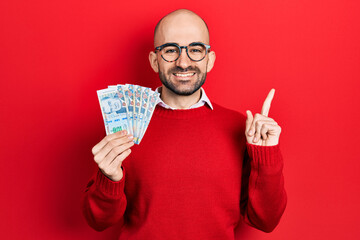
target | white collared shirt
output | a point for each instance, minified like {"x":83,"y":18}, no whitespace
{"x":204,"y":99}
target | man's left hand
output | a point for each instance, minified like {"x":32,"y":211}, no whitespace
{"x":261,"y":130}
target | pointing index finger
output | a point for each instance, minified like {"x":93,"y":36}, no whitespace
{"x":267,"y":103}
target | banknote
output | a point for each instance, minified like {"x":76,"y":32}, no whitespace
{"x":130,"y":103}
{"x":143,"y":109}
{"x":131,"y":92}
{"x":113,"y":111}
{"x":122,"y":94}
{"x":153,"y":100}
{"x":137,"y":90}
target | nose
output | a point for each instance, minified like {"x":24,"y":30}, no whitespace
{"x":183,"y":61}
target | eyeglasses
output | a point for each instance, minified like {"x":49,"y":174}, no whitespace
{"x":196,"y":51}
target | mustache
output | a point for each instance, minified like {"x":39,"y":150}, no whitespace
{"x":178,"y":69}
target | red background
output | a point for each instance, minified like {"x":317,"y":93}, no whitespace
{"x":56,"y":54}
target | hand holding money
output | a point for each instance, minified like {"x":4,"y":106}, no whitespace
{"x":111,"y":151}
{"x":260,"y":129}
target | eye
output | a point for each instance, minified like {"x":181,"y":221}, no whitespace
{"x":196,"y":49}
{"x":170,"y":50}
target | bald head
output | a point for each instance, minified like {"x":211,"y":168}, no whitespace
{"x":179,"y":25}
{"x":183,"y":77}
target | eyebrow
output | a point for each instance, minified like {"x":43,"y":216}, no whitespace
{"x":197,"y":42}
{"x":172,"y":43}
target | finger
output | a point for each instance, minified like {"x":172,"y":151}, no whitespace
{"x":274,"y":129}
{"x":249,"y":121}
{"x":107,"y":139}
{"x":264,"y":131}
{"x":117,"y":151}
{"x":258,"y":126}
{"x":106,"y":163}
{"x":110,"y":145}
{"x":120,"y":158}
{"x":267,"y":103}
{"x":113,"y":170}
{"x":252,"y":130}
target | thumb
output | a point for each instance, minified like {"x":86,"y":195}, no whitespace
{"x":249,"y":120}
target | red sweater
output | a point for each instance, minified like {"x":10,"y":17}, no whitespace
{"x":192,"y":177}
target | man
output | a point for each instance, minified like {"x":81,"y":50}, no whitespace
{"x":200,"y":169}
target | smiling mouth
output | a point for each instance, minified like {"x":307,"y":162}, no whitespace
{"x":183,"y":75}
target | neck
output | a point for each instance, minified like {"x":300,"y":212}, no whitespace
{"x":178,"y":101}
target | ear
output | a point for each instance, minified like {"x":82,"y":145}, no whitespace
{"x":153,"y":61}
{"x":211,"y":61}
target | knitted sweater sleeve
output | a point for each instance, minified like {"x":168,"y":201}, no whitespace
{"x":263,"y":197}
{"x":104,"y":201}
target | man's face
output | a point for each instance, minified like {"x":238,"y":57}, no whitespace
{"x":184,"y":79}
{"x":183,"y":76}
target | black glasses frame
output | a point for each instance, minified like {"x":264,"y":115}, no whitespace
{"x":159,"y":48}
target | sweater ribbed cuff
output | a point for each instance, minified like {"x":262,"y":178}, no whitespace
{"x":108,"y":186}
{"x":265,"y":155}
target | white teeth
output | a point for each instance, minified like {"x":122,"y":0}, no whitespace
{"x":184,"y":75}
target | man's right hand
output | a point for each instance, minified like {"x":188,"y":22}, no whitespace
{"x":110,"y":152}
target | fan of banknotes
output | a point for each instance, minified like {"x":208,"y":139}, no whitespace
{"x":127,"y":107}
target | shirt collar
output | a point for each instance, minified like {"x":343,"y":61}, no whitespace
{"x":203,"y":100}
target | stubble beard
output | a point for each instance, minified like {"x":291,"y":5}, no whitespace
{"x":170,"y":85}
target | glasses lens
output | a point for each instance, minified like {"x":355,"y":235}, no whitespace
{"x":170,"y":53}
{"x":197,"y":52}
